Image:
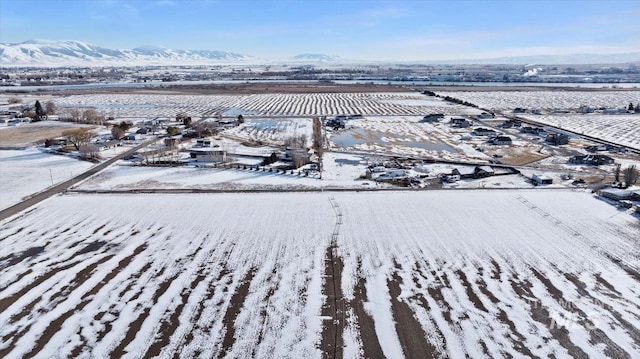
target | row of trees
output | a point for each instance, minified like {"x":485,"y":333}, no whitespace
{"x":630,"y":174}
{"x":39,"y":112}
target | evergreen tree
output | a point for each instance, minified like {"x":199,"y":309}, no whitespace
{"x":40,"y":112}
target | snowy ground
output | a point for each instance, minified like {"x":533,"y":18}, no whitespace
{"x":418,"y":274}
{"x":547,"y":99}
{"x":273,"y":131}
{"x":340,"y":171}
{"x":152,"y":105}
{"x":620,"y":129}
{"x":25,"y":172}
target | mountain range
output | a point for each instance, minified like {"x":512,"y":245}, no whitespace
{"x":74,"y":53}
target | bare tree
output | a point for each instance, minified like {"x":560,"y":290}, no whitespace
{"x":75,"y":114}
{"x":117,"y":132}
{"x":31,"y":114}
{"x":92,"y":116}
{"x":299,"y":158}
{"x":89,"y":151}
{"x":296,"y":141}
{"x":631,"y":175}
{"x":78,"y":137}
{"x":317,"y":136}
{"x":617,"y":173}
{"x":50,"y":108}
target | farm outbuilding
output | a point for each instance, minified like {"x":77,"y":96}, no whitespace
{"x":433,"y":117}
{"x":618,"y":194}
{"x":502,"y":140}
{"x":557,"y":139}
{"x":541,"y":179}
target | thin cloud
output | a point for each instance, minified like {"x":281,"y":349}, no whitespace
{"x":164,"y":3}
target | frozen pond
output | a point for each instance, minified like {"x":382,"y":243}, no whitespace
{"x":357,"y":136}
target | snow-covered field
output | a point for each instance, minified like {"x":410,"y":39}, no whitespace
{"x":621,"y":129}
{"x":340,"y":171}
{"x":152,"y":105}
{"x":417,"y":274}
{"x":25,"y":172}
{"x":274,"y":131}
{"x":508,"y":100}
{"x":404,"y":136}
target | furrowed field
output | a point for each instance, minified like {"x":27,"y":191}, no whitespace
{"x":402,"y":274}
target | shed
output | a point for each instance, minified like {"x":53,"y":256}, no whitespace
{"x":433,"y":117}
{"x":502,"y":140}
{"x":464,"y":172}
{"x":541,"y":179}
{"x":484,"y":132}
{"x":484,"y":171}
{"x":617,"y":194}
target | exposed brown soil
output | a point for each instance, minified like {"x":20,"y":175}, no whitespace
{"x":237,"y":302}
{"x":237,"y":89}
{"x":412,"y":337}
{"x":540,"y":314}
{"x":168,"y":327}
{"x":19,"y":257}
{"x":366,"y":326}
{"x":473,"y":297}
{"x":31,"y":133}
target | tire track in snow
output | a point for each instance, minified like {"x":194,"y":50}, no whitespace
{"x":334,"y":308}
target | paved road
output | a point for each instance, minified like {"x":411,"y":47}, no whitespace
{"x":61,"y":187}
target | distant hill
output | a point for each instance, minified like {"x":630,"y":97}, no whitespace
{"x":72,"y":53}
{"x":316,"y":58}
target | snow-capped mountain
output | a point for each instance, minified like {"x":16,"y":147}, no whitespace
{"x":75,"y":53}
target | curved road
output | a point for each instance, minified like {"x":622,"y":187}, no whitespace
{"x":63,"y":186}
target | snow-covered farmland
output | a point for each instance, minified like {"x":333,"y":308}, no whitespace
{"x":24,"y":172}
{"x":274,"y":131}
{"x":508,"y":100}
{"x":620,"y":129}
{"x":404,"y":136}
{"x":155,"y":105}
{"x":440,"y":273}
{"x":339,"y":171}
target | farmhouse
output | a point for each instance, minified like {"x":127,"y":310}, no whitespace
{"x":541,"y":179}
{"x":596,"y":148}
{"x":484,"y":132}
{"x":511,"y":123}
{"x":208,"y":154}
{"x":502,"y":140}
{"x":557,"y":139}
{"x":460,"y":122}
{"x":533,"y":130}
{"x":433,"y":117}
{"x":133,"y":137}
{"x":485,"y":115}
{"x":594,"y":160}
{"x":484,"y":171}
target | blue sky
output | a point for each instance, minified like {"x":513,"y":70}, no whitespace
{"x":368,"y":30}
